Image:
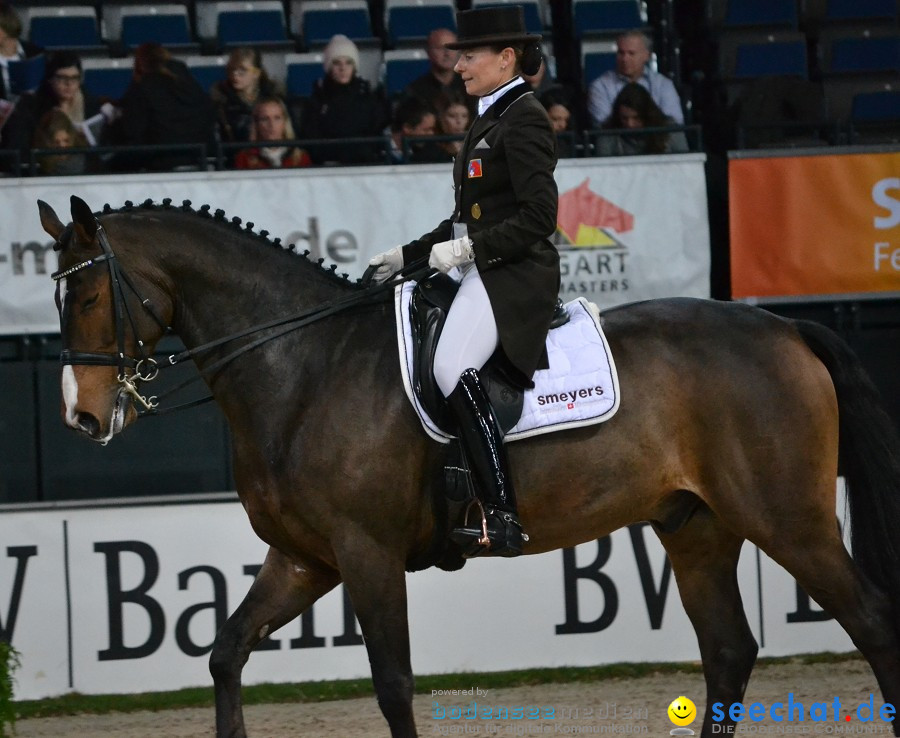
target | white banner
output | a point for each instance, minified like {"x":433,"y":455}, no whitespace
{"x":113,"y":599}
{"x":630,"y":229}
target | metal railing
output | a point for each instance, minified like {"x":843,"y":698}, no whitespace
{"x":323,"y":151}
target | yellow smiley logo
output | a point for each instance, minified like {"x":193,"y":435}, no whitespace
{"x":682,"y":711}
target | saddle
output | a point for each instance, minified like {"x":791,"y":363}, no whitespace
{"x":431,"y":300}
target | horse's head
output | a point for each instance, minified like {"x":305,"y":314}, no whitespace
{"x":107,"y":334}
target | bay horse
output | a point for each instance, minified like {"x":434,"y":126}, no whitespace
{"x":732,"y":427}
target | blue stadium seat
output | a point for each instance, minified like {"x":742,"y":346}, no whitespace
{"x":65,"y":27}
{"x":786,"y":58}
{"x":597,"y":57}
{"x":207,"y":70}
{"x":107,"y":77}
{"x":876,"y":107}
{"x":606,"y":17}
{"x":410,"y":21}
{"x":302,"y":71}
{"x":878,"y":54}
{"x":861,"y":10}
{"x":401,"y":67}
{"x":168,"y":25}
{"x":241,"y":23}
{"x":251,"y":27}
{"x":322,"y":19}
{"x":531,"y":9}
{"x":770,"y":13}
{"x":26,"y":75}
{"x":875,"y":118}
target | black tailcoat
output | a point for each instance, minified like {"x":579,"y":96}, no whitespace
{"x":506,"y":195}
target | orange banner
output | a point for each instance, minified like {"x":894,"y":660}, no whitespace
{"x":820,"y":225}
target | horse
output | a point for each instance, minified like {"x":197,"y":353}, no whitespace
{"x":733,"y":425}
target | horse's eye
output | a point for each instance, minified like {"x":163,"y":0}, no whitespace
{"x":90,"y":302}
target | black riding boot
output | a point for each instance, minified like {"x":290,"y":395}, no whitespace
{"x":482,"y":442}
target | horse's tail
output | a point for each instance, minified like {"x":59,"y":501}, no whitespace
{"x":869,"y":460}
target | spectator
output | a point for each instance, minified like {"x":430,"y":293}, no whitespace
{"x":164,"y":104}
{"x":12,"y":48}
{"x":453,"y":120}
{"x":60,"y":89}
{"x":342,"y":105}
{"x":413,"y":117}
{"x":271,"y":122}
{"x":234,"y":97}
{"x":634,"y":109}
{"x":558,"y":111}
{"x":633,"y":50}
{"x":55,"y":130}
{"x":440,"y":79}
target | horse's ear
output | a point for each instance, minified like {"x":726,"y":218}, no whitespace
{"x":83,"y":220}
{"x":50,"y":221}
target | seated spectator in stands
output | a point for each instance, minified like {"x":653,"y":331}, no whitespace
{"x":413,"y":117}
{"x":633,"y":50}
{"x":440,"y":79}
{"x":453,"y":120}
{"x":12,"y":48}
{"x":557,"y":107}
{"x":164,"y":104}
{"x":61,"y":90}
{"x":634,"y":109}
{"x":55,"y":130}
{"x":246,"y":82}
{"x":343,"y":105}
{"x":271,"y":122}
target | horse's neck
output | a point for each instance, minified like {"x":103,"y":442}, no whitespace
{"x":222,"y":290}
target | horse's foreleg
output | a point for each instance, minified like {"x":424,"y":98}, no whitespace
{"x":281,"y":591}
{"x":376,"y":582}
{"x":704,"y":558}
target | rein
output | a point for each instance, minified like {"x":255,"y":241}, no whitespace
{"x":146,"y":369}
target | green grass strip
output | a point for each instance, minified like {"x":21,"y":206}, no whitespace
{"x":75,"y":703}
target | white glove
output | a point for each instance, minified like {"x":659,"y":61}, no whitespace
{"x":110,"y":112}
{"x":387,"y":262}
{"x":448,"y":254}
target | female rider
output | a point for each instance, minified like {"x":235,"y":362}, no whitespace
{"x":506,"y":203}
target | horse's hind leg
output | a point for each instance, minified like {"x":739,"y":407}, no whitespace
{"x":823,"y":567}
{"x":281,"y":591}
{"x":704,"y":558}
{"x":375,"y":579}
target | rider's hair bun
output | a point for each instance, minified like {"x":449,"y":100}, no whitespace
{"x":531,"y":58}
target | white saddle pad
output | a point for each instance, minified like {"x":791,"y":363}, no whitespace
{"x":580,"y":388}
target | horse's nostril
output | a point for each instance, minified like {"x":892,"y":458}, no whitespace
{"x":88,"y":423}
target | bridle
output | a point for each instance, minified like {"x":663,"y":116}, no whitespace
{"x":145,"y":368}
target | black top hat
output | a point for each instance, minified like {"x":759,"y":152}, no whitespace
{"x":489,"y":26}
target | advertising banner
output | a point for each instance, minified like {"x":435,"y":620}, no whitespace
{"x":815,"y":226}
{"x":629,"y":229}
{"x":119,"y":599}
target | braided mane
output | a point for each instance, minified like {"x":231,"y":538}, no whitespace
{"x":218,"y":216}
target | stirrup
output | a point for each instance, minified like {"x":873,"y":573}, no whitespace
{"x":476,"y":541}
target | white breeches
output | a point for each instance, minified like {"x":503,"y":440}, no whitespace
{"x":470,"y":333}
